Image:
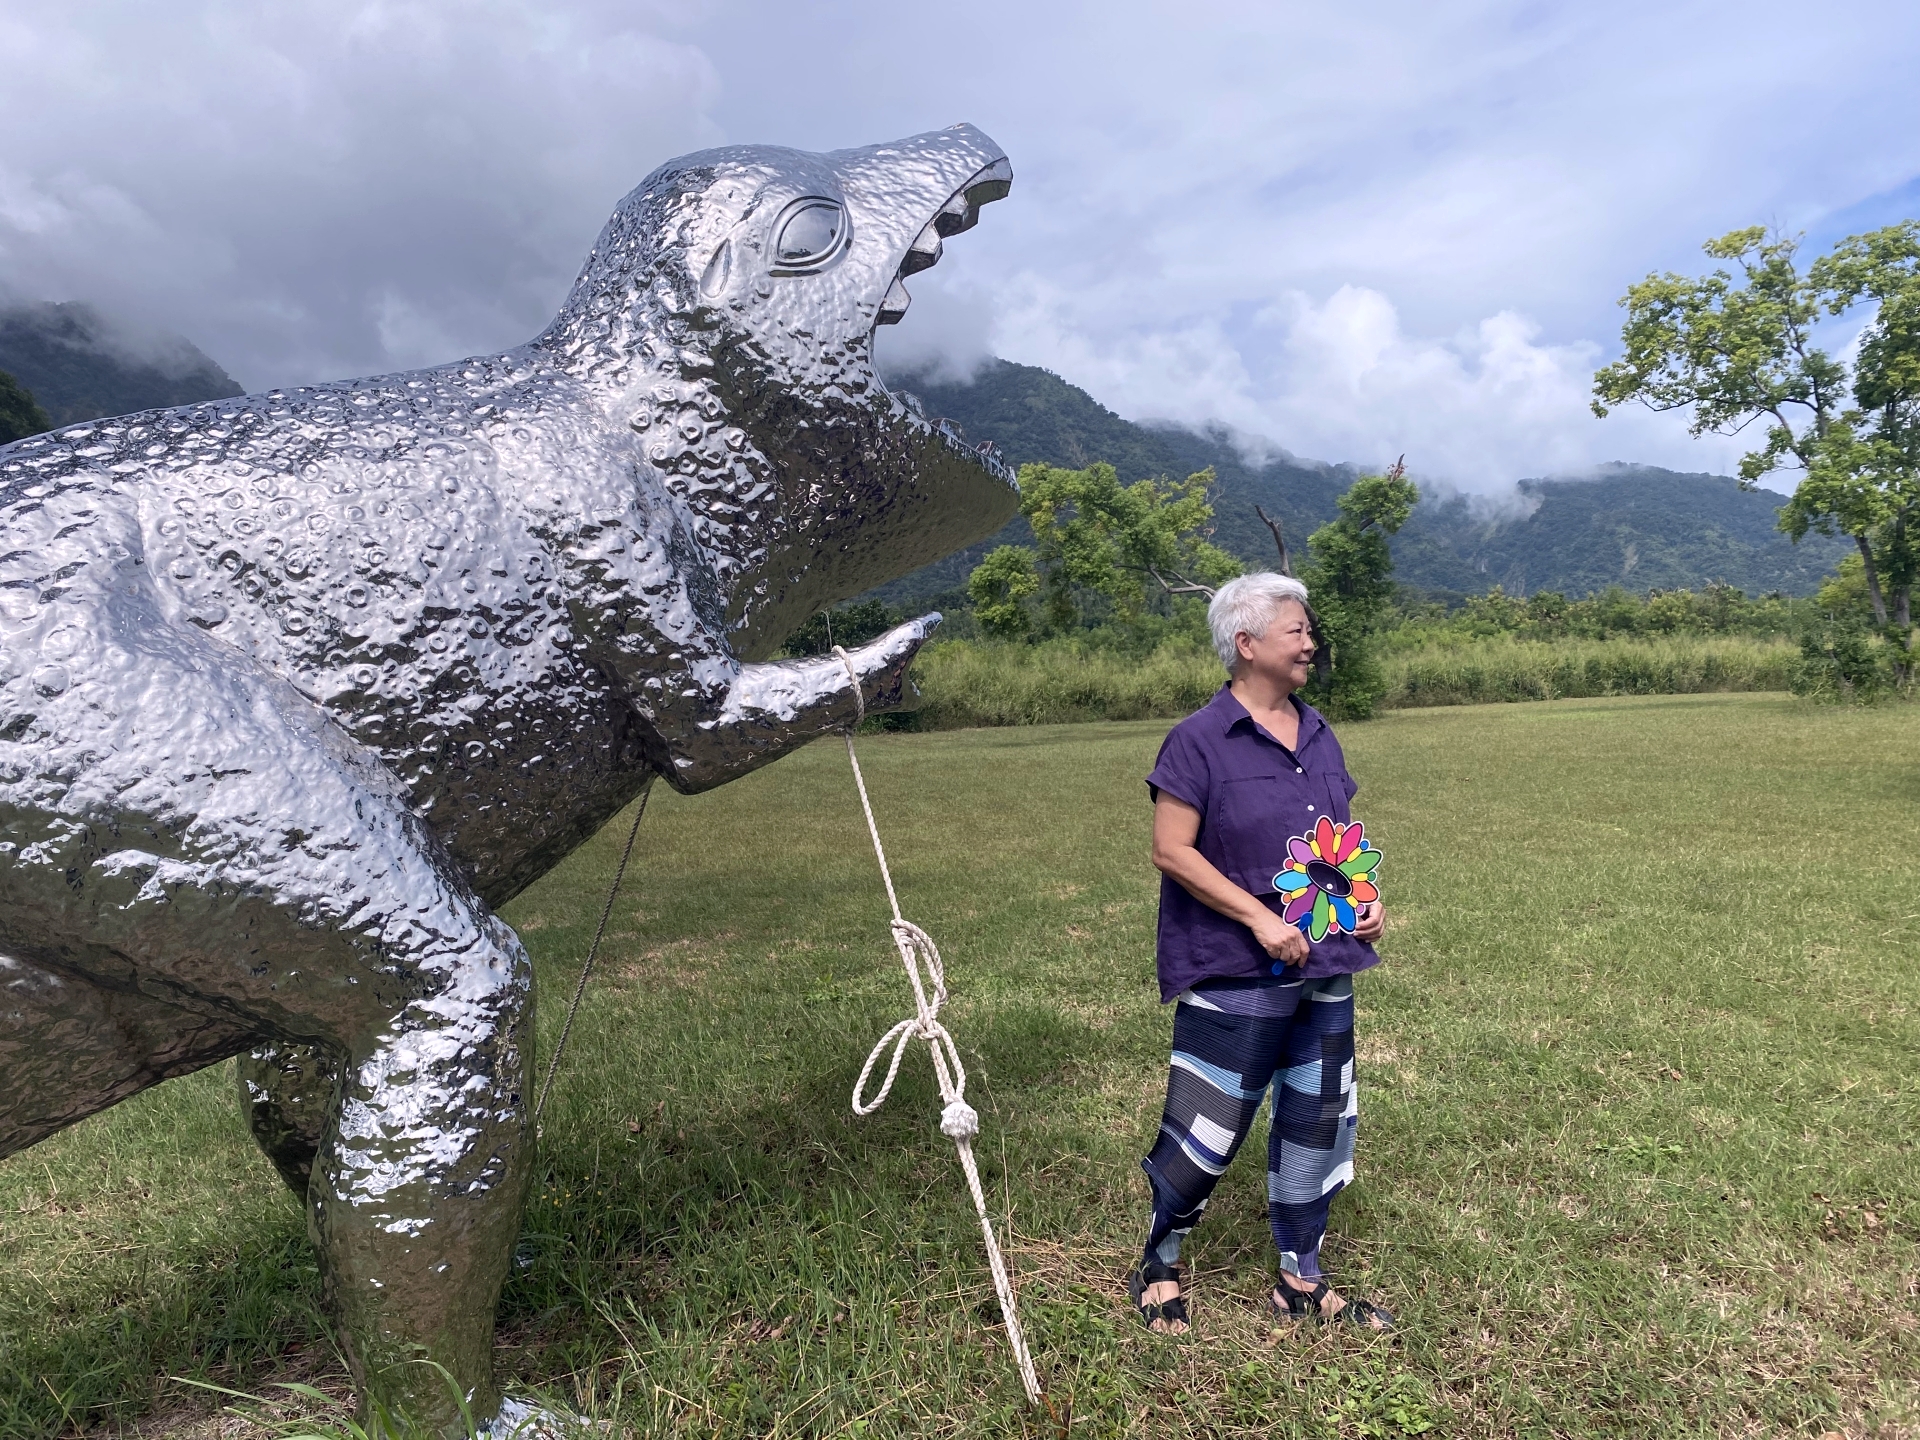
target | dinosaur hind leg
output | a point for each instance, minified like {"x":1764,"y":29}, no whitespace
{"x":288,"y":1093}
{"x":218,"y":845}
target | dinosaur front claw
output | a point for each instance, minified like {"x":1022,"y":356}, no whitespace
{"x":881,"y":664}
{"x":775,"y":707}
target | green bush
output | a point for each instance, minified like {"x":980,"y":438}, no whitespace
{"x":1843,"y":663}
{"x":1613,"y":613}
{"x":848,"y":625}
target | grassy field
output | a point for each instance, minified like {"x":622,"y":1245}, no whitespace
{"x":1639,"y":1109}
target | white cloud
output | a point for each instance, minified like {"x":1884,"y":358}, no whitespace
{"x":1342,"y":379}
{"x":1430,"y":209}
{"x":1489,"y":404}
{"x":948,"y":331}
{"x":1355,"y":230}
{"x":312,"y":189}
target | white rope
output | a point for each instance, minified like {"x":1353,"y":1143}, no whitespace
{"x":959,"y":1121}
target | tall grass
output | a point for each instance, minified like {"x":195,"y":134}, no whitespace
{"x":966,"y":684}
{"x":1501,"y":669}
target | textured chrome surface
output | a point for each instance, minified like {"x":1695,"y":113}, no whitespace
{"x":295,"y":688}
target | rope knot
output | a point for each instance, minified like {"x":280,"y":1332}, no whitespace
{"x":959,"y":1121}
{"x":859,"y":695}
{"x":919,"y":954}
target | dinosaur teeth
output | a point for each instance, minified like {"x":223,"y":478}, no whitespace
{"x":962,"y":212}
{"x":924,"y":253}
{"x":893,"y":305}
{"x":992,"y":183}
{"x":956,"y":215}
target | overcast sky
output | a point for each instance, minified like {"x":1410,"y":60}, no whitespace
{"x":1354,"y":230}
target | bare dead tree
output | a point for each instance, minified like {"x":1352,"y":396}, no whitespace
{"x":1286,"y":565}
{"x":1185,"y":587}
{"x":1322,"y":652}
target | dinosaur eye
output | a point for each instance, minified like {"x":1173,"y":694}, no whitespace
{"x":812,"y":232}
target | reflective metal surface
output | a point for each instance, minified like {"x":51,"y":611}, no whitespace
{"x":295,"y":688}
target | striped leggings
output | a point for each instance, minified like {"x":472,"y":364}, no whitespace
{"x":1231,"y":1042}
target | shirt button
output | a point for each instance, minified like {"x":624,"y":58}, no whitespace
{"x":1298,"y":771}
{"x":1309,"y":807}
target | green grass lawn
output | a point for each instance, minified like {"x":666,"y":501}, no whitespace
{"x":1638,"y":1112}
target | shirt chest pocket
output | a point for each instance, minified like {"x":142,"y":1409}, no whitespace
{"x":1257,"y":813}
{"x":1330,"y":796}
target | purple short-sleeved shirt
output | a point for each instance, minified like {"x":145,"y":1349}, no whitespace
{"x":1253,"y":794}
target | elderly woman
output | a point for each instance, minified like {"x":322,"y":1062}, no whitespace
{"x":1258,"y":1006}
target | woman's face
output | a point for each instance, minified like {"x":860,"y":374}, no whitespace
{"x":1284,"y":655}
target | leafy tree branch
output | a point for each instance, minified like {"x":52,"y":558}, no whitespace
{"x":1736,"y":350}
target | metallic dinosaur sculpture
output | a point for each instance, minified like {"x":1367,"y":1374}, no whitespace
{"x":296,"y":689}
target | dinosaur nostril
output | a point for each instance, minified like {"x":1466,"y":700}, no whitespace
{"x":719,"y":270}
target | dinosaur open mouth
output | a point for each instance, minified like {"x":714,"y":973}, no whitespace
{"x":961,"y":212}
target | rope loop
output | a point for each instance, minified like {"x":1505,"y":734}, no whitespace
{"x":959,"y":1121}
{"x":917,"y":949}
{"x":898,"y":1037}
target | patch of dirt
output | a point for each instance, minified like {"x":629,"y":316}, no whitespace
{"x":679,"y":963}
{"x":200,"y":1415}
{"x":1375,"y":1050}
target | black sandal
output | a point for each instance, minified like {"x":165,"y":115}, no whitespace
{"x":1152,"y":1272}
{"x":1305,"y":1305}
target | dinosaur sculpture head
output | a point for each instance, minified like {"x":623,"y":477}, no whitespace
{"x":727,"y":315}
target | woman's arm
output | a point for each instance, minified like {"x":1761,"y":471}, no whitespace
{"x":1176,"y":825}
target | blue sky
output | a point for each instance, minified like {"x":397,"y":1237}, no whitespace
{"x":1354,"y":231}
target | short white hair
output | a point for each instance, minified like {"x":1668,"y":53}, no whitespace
{"x":1246,"y":605}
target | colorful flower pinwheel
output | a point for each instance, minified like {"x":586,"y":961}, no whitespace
{"x":1328,"y":871}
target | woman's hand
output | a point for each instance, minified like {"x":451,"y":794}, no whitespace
{"x":1372,"y":922}
{"x":1280,"y":940}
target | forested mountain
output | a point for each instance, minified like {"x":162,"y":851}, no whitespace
{"x":20,"y":414}
{"x":1032,"y":414}
{"x":1637,"y":526}
{"x":1632,"y":525}
{"x":79,"y":365}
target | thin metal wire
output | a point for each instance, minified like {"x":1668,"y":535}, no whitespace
{"x":580,"y":989}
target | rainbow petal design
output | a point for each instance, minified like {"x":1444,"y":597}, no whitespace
{"x":1329,"y":870}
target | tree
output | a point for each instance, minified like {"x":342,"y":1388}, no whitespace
{"x":849,"y":625}
{"x":1740,"y":351}
{"x":1842,"y":597}
{"x":1102,"y":550}
{"x":20,"y":414}
{"x":1000,"y":587}
{"x":1350,"y":578}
